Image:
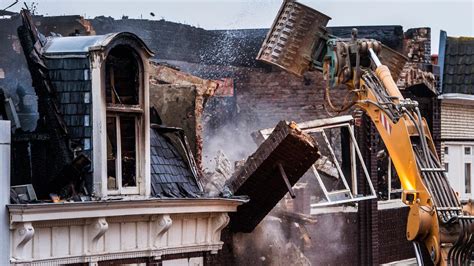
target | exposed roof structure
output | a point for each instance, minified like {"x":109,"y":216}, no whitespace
{"x":458,"y":72}
{"x":170,"y":174}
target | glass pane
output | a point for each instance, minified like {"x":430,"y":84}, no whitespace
{"x":467,"y":177}
{"x":467,"y":150}
{"x":446,"y":150}
{"x":128,"y":141}
{"x":111,"y":153}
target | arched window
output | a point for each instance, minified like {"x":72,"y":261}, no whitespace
{"x":124,"y":107}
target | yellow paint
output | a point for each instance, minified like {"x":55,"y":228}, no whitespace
{"x":399,"y":147}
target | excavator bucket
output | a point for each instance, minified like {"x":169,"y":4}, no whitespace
{"x":288,"y":44}
{"x":296,"y":42}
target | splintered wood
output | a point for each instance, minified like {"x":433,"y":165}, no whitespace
{"x":261,"y":179}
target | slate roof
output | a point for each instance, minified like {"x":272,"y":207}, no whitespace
{"x":171,"y":176}
{"x":458,"y":73}
{"x":79,"y":45}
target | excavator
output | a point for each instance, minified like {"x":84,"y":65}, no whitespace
{"x":440,"y":229}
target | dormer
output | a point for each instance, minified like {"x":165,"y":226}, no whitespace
{"x":102,"y":85}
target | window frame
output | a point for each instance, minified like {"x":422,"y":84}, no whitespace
{"x":118,"y":110}
{"x":121,"y":190}
{"x":467,"y":178}
{"x":455,"y":167}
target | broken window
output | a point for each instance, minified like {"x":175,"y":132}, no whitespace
{"x":124,"y":115}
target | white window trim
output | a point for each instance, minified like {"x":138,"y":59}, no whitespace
{"x":99,"y":129}
{"x":131,"y":190}
{"x":462,"y":144}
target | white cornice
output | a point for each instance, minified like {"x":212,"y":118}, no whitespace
{"x":94,"y":209}
{"x":459,"y":98}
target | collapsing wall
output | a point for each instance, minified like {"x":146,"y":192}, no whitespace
{"x":261,"y":96}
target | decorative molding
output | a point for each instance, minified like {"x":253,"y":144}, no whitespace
{"x":59,"y":223}
{"x":156,"y":255}
{"x":22,"y":234}
{"x":218,"y":223}
{"x":96,"y":230}
{"x":161,"y":224}
{"x":93,"y":238}
{"x":97,"y":209}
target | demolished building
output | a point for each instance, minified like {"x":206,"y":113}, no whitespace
{"x":121,"y":211}
{"x":257,"y":97}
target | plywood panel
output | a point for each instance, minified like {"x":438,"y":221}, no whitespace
{"x":42,"y":243}
{"x":142,"y":234}
{"x":112,"y":237}
{"x":76,"y":245}
{"x":60,"y":241}
{"x":175,"y":233}
{"x":128,"y":235}
{"x":189,"y":231}
{"x":201,"y":230}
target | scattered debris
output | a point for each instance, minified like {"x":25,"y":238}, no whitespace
{"x":217,"y":179}
{"x":67,"y":170}
{"x":23,"y":194}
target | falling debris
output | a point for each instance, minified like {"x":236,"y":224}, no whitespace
{"x":269,"y":173}
{"x":217,"y":179}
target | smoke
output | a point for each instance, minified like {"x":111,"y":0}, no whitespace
{"x":332,"y":239}
{"x":266,"y":245}
{"x":280,"y":242}
{"x":233,"y":139}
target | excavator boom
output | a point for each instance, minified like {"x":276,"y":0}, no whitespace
{"x":298,"y":42}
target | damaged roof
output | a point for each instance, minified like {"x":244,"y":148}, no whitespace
{"x":85,"y":44}
{"x":171,"y":176}
{"x":458,"y":73}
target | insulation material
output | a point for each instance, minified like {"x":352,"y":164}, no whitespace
{"x":260,"y":178}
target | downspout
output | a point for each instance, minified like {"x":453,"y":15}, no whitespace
{"x":441,"y":57}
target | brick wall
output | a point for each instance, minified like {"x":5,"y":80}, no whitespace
{"x":392,"y":240}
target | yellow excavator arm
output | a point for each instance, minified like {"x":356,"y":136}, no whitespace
{"x":436,"y":218}
{"x":298,"y":42}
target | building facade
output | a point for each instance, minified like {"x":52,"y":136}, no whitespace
{"x":127,"y":193}
{"x":456,"y":60}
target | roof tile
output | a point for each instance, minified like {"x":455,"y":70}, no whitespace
{"x":458,"y":76}
{"x":170,"y":175}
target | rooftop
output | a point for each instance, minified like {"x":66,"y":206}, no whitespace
{"x":458,"y":74}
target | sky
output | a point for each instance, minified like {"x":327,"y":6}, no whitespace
{"x":454,"y":16}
